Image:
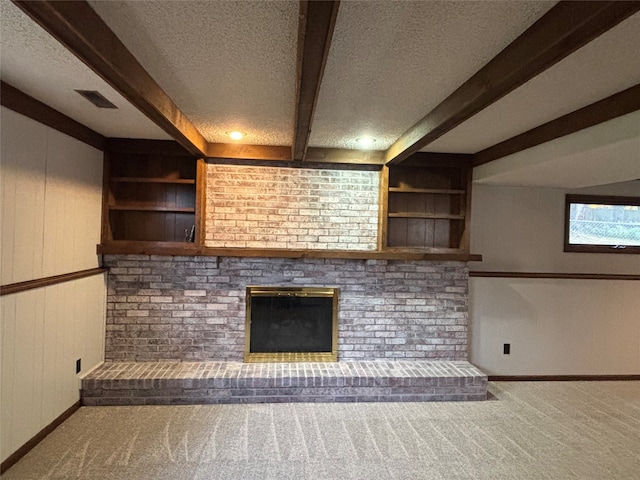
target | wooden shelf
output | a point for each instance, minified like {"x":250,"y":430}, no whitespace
{"x":150,"y":196}
{"x":173,"y":181}
{"x":437,"y":191}
{"x":447,"y":216}
{"x":424,"y":206}
{"x":135,"y":208}
{"x":148,"y":248}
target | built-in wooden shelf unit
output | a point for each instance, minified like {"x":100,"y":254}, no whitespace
{"x":150,"y":195}
{"x":425,"y":204}
{"x":154,"y":193}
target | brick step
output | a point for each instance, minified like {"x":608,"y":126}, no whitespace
{"x":189,"y":383}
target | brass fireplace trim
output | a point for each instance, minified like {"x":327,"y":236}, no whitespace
{"x":329,"y":292}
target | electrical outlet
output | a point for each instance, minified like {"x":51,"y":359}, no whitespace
{"x":506,"y":349}
{"x":78,"y":365}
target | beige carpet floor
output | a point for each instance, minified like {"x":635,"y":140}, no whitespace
{"x":541,"y":430}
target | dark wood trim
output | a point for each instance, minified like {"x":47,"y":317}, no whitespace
{"x":465,"y":240}
{"x":317,"y":20}
{"x":227,"y":151}
{"x":374,"y":255}
{"x":146,"y":147}
{"x":248,"y":152}
{"x":448,"y":216}
{"x":145,"y":208}
{"x":551,"y":275}
{"x":201,"y":202}
{"x":603,"y":199}
{"x":20,"y":102}
{"x":608,"y":249}
{"x":38,"y":437}
{"x":609,"y":108}
{"x":562,"y":378}
{"x":346,"y":254}
{"x":437,"y":159}
{"x":383,"y":209}
{"x":46,"y":281}
{"x":164,"y":181}
{"x":442,"y":191}
{"x":135,"y":247}
{"x":295,"y":164}
{"x":165,"y":248}
{"x":107,"y":199}
{"x":561,"y":31}
{"x":338,"y":155}
{"x":81,"y":30}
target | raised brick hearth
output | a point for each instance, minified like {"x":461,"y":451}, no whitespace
{"x":161,"y":383}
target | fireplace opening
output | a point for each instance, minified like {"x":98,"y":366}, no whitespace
{"x":291,"y":324}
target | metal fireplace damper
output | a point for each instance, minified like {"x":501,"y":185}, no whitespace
{"x":291,"y":324}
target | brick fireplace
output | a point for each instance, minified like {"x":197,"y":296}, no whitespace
{"x":193,"y":308}
{"x":176,"y":325}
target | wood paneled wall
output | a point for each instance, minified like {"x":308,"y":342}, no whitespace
{"x":50,"y":217}
{"x":51,"y":201}
{"x":44,"y":332}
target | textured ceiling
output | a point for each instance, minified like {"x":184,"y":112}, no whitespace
{"x":39,"y":66}
{"x":607,"y":65}
{"x":391,"y":62}
{"x":606,"y":153}
{"x":227,"y":65}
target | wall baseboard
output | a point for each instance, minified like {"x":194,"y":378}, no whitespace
{"x":37,"y":438}
{"x":561,"y":378}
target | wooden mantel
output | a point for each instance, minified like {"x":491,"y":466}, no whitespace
{"x":162,"y":248}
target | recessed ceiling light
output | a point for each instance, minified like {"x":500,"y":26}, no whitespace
{"x":235,"y":135}
{"x":365,"y":141}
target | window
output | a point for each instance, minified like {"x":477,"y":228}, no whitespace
{"x":602,"y":224}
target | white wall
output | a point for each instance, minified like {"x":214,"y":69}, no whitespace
{"x":50,"y":224}
{"x":555,"y":327}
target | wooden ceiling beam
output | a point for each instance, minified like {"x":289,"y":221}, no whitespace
{"x":283,"y":154}
{"x":139,"y":146}
{"x":249,"y":152}
{"x":18,"y":101}
{"x":315,"y":29}
{"x":438,"y":159}
{"x":606,"y":109}
{"x":81,"y":30}
{"x":565,"y":28}
{"x":338,"y":155}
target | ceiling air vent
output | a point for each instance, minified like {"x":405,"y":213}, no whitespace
{"x":96,"y":98}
